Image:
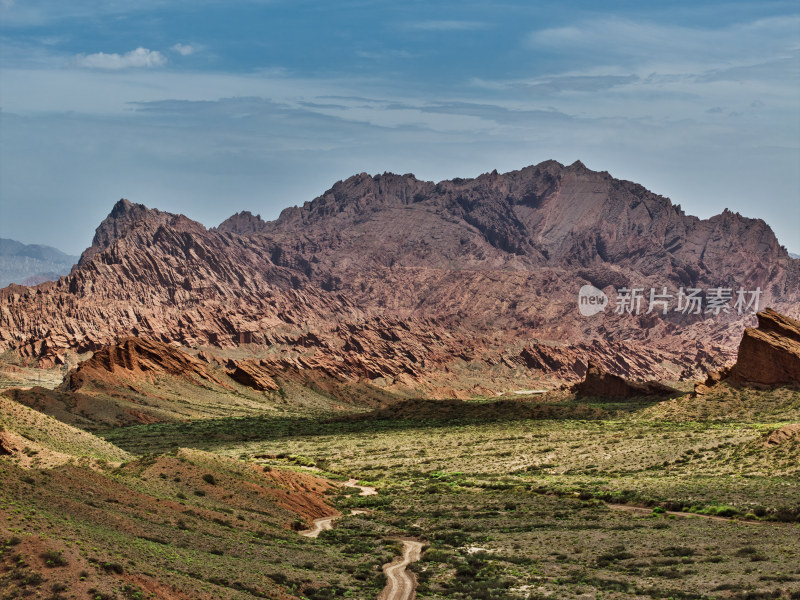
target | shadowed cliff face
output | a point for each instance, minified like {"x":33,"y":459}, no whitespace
{"x":770,"y":354}
{"x":489,"y":265}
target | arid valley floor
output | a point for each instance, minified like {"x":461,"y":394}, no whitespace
{"x":545,"y":496}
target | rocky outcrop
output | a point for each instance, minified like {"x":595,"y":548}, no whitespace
{"x":770,"y":354}
{"x":210,"y":358}
{"x":570,"y":362}
{"x":161,"y":277}
{"x":598,"y":383}
{"x":252,"y":374}
{"x":784,"y":435}
{"x":133,"y":359}
{"x":124,"y":218}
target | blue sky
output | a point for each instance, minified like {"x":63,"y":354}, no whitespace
{"x":211,"y":107}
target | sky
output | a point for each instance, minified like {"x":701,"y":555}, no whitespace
{"x":210,"y":107}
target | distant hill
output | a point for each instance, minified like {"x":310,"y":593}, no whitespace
{"x":31,"y":264}
{"x":793,"y":255}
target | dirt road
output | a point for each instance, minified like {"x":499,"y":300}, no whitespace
{"x":323,"y":523}
{"x":401,"y":584}
{"x":365,"y":490}
{"x":318,"y":526}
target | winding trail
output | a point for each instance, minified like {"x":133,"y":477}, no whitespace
{"x":401,"y":584}
{"x":318,"y":526}
{"x":323,"y":523}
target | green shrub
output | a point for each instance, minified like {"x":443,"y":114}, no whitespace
{"x":436,"y":555}
{"x":726,"y":511}
{"x":132,"y":592}
{"x":53,"y":558}
{"x":617,"y":553}
{"x":109,"y":567}
{"x":787,"y":514}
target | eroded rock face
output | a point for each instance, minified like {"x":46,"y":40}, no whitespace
{"x":606,"y":385}
{"x":252,"y":374}
{"x":770,"y":354}
{"x":570,"y":362}
{"x":468,"y":270}
{"x":133,"y":358}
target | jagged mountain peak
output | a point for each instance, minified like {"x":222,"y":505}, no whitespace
{"x":242,"y":223}
{"x":123,"y":216}
{"x":125,"y":211}
{"x":579,"y":166}
{"x":127,"y":217}
{"x":123,"y":206}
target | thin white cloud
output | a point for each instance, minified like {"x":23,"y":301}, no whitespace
{"x":660,"y":73}
{"x":447,"y":25}
{"x":139,"y":58}
{"x":184,"y":49}
{"x":590,"y":83}
{"x":627,"y":42}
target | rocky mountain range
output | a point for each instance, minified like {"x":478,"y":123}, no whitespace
{"x":415,"y":284}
